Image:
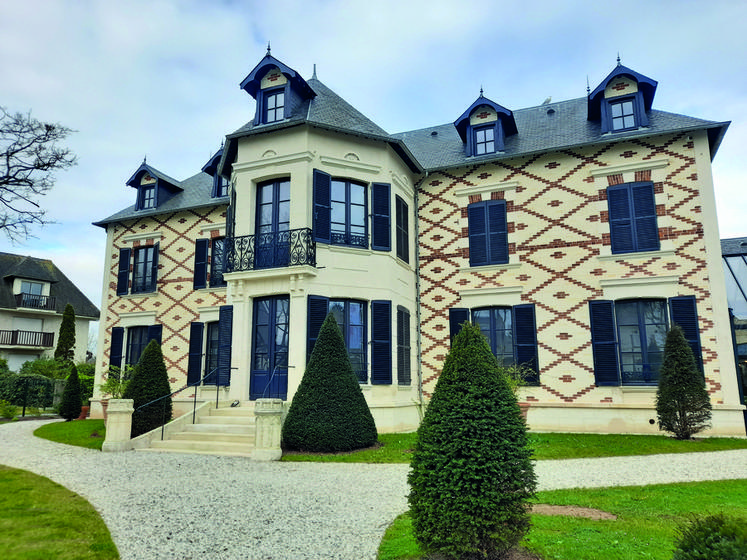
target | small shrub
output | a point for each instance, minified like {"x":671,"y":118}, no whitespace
{"x":50,"y":368}
{"x":70,"y":406}
{"x":714,"y":537}
{"x":683,"y":406}
{"x":86,"y":375}
{"x":116,"y":382}
{"x":149,"y":382}
{"x":329,"y":412}
{"x":8,"y":410}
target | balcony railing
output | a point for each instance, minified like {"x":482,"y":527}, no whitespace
{"x":27,"y":338}
{"x":270,"y":250}
{"x":33,"y":301}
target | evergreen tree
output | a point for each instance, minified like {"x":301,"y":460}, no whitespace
{"x":149,"y":382}
{"x":471,"y":472}
{"x":71,"y":404}
{"x":683,"y":406}
{"x":65,"y":350}
{"x":329,"y":412}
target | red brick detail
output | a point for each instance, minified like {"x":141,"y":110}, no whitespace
{"x":643,"y":175}
{"x":497,"y":195}
{"x":628,"y":154}
{"x":567,"y":378}
{"x":660,"y":210}
{"x":475,"y":198}
{"x":561,"y":295}
{"x":614,"y":180}
{"x":555,"y":203}
{"x":604,"y":216}
{"x":563,"y":336}
{"x":552,"y":165}
{"x":483,"y":176}
{"x":658,"y":188}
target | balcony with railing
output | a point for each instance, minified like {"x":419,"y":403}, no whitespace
{"x":34,"y":301}
{"x":27,"y":338}
{"x":280,"y":249}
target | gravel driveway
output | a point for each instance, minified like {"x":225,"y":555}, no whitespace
{"x":183,"y":506}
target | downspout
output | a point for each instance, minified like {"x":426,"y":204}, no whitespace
{"x":418,"y":338}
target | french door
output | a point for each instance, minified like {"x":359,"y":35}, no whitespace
{"x":272,"y":240}
{"x":269,"y":372}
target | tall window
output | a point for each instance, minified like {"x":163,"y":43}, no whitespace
{"x":351,"y":318}
{"x":269,"y":377}
{"x":211,"y":354}
{"x":632,"y":218}
{"x":147,"y":197}
{"x":220,"y":186}
{"x":144,"y":274}
{"x":496,"y":323}
{"x":217,"y":262}
{"x":642,"y":331}
{"x":623,"y":114}
{"x":403,"y":241}
{"x":484,"y":140}
{"x":137,"y":340}
{"x":348,"y":213}
{"x":31,"y":294}
{"x":274,"y":105}
{"x":403,"y":346}
{"x":488,"y":232}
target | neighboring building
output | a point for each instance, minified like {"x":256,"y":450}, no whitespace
{"x":33,"y":296}
{"x":734,"y":253}
{"x":575,"y":233}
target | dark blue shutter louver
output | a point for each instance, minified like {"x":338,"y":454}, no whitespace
{"x":318,"y":307}
{"x":684,"y":313}
{"x":123,"y":272}
{"x":478,"y":235}
{"x":381,"y":236}
{"x":644,"y":206}
{"x":201,"y":263}
{"x":457,"y":316}
{"x":403,"y":230}
{"x":403,"y":346}
{"x":497,"y":232}
{"x":225,"y":334}
{"x":621,"y":226}
{"x":525,"y":339}
{"x":604,"y":342}
{"x":322,"y":205}
{"x":115,"y":356}
{"x":381,"y":342}
{"x":194,"y":363}
{"x":155,"y":332}
{"x":154,"y":270}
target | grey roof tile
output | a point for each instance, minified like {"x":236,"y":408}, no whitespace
{"x":734,"y":246}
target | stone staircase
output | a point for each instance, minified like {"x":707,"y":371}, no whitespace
{"x":221,"y":431}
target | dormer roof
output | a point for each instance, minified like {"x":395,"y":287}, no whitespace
{"x":646,"y":86}
{"x":163,"y":179}
{"x":505,"y":115}
{"x":251,"y":84}
{"x":212,"y":165}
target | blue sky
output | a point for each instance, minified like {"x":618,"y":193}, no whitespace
{"x":160,"y":79}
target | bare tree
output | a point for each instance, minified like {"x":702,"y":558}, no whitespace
{"x":30,"y":156}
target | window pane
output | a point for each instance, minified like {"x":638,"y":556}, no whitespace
{"x":338,"y":212}
{"x":265,"y":195}
{"x":357,"y":194}
{"x":629,"y":122}
{"x":337,"y":308}
{"x":356,"y":313}
{"x":284,"y":190}
{"x":489,"y":134}
{"x":355,"y":338}
{"x":284,"y":213}
{"x":265,"y":214}
{"x":626,"y":313}
{"x":357,"y":215}
{"x":630,"y":339}
{"x":338,"y":191}
{"x":616,"y":110}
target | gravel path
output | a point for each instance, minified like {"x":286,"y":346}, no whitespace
{"x":182,"y":506}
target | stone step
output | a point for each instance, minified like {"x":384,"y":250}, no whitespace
{"x":242,"y":420}
{"x":223,"y":428}
{"x":233,"y":411}
{"x":206,"y":447}
{"x":245,"y":438}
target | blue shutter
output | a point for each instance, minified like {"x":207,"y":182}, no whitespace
{"x":225,"y":333}
{"x":201,"y":262}
{"x":322,"y":206}
{"x":194,"y":363}
{"x":115,"y":356}
{"x":644,"y":211}
{"x":403,"y":230}
{"x":525,"y":339}
{"x":154,"y":269}
{"x":381,"y":235}
{"x":403,"y":346}
{"x":123,"y":272}
{"x":684,"y":313}
{"x":478,"y":234}
{"x":497,"y":232}
{"x":381,"y":342}
{"x":604,"y":342}
{"x":318,"y":307}
{"x":457,"y":316}
{"x":621,"y":226}
{"x":154,"y":333}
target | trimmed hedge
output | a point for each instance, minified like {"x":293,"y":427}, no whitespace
{"x":714,"y":537}
{"x":37,"y":390}
{"x":329,"y":412}
{"x":70,"y":407}
{"x":149,"y":382}
{"x":471,"y":472}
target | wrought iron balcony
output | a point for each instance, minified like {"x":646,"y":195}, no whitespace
{"x":270,"y":250}
{"x":27,"y":338}
{"x":33,"y":301}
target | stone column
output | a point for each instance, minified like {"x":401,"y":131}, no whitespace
{"x":269,"y":416}
{"x":118,"y":425}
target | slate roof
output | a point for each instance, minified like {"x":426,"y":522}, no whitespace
{"x":539,"y":130}
{"x":734,"y":246}
{"x":31,"y":268}
{"x":197,"y":192}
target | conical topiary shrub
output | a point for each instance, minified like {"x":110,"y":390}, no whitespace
{"x":329,"y":412}
{"x":149,"y":382}
{"x":683,"y":406}
{"x":471,"y":473}
{"x":65,"y":350}
{"x":71,"y":404}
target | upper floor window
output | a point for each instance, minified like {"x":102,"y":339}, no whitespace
{"x":403,"y":346}
{"x":144,"y":270}
{"x":488,"y":233}
{"x":632,"y":218}
{"x":623,"y":114}
{"x":220,"y":186}
{"x":209,"y":256}
{"x":147,"y":197}
{"x":31,"y":288}
{"x":348,"y":213}
{"x":484,"y":140}
{"x":403,"y":241}
{"x":274,"y":105}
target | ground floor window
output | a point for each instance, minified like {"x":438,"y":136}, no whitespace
{"x":351,"y":318}
{"x":137,"y":340}
{"x":211,"y":354}
{"x":269,"y":377}
{"x":642,"y":331}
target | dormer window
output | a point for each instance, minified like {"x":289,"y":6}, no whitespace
{"x":484,"y":126}
{"x":622,"y":114}
{"x":274,"y":105}
{"x":147,"y":197}
{"x":220,"y":186}
{"x":484,"y":140}
{"x":620,"y":103}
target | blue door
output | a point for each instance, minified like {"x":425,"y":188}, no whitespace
{"x":269,"y":375}
{"x":272,"y":244}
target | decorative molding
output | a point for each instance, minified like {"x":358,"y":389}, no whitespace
{"x":486,"y":189}
{"x":208,"y":228}
{"x":513,"y":265}
{"x":348,"y":164}
{"x":628,"y":167}
{"x":639,"y":281}
{"x":667,"y":251}
{"x":137,"y":319}
{"x":479,"y":297}
{"x":403,"y":184}
{"x":276,"y":160}
{"x":154,"y":235}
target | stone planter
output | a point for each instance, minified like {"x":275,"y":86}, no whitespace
{"x":118,"y":425}
{"x":84,"y":412}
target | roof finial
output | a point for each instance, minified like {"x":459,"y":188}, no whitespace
{"x":145,"y":157}
{"x":618,"y":59}
{"x":588,"y":89}
{"x":481,"y":95}
{"x":268,"y":47}
{"x":314,"y":76}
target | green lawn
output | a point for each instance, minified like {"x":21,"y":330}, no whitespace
{"x":397,"y":448}
{"x":41,"y":520}
{"x":647,"y":517}
{"x":83,"y":433}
